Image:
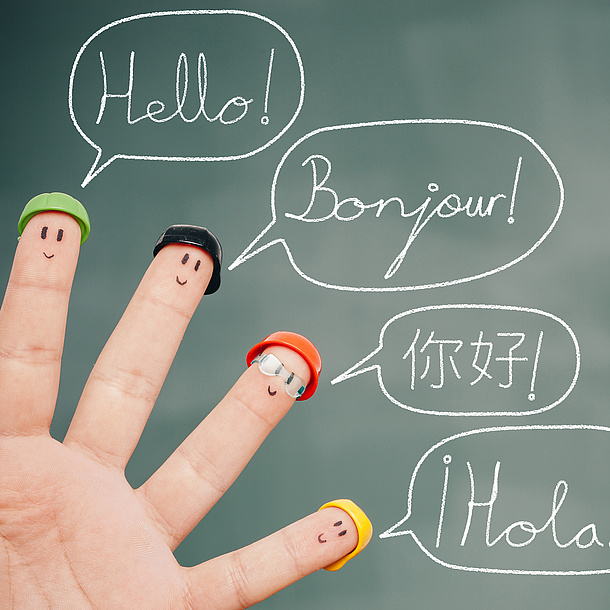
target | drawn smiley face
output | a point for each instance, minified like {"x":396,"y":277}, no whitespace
{"x":271,"y":366}
{"x":45,"y":233}
{"x":323,"y":537}
{"x":201,"y":238}
{"x":184,"y":261}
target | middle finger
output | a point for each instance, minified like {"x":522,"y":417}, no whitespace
{"x":128,"y":375}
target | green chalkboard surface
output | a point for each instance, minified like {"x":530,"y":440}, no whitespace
{"x":420,"y":188}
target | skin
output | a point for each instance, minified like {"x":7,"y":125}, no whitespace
{"x":73,"y":532}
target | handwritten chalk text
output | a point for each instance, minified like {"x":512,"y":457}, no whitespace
{"x":155,"y":108}
{"x":351,"y":208}
{"x":585,"y":538}
{"x":445,"y":355}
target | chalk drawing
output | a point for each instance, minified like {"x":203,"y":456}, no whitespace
{"x":433,"y":207}
{"x":565,"y":539}
{"x":403,"y":332}
{"x":156,"y":108}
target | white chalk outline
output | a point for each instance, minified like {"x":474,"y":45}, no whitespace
{"x":354,"y":372}
{"x":247,"y":253}
{"x":92,"y":174}
{"x":390,"y":533}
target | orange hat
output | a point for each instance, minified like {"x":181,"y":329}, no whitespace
{"x":301,"y":346}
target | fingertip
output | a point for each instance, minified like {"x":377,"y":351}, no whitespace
{"x":187,"y":269}
{"x":363,"y":525}
{"x":48,"y":251}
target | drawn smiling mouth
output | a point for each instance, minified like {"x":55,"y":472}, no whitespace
{"x":52,"y":255}
{"x":179,"y":282}
{"x":320,"y":539}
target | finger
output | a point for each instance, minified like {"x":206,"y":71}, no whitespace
{"x":128,"y":375}
{"x":247,"y":576}
{"x":205,"y":465}
{"x":33,"y":321}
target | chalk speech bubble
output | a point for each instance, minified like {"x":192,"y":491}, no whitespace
{"x":191,"y":85}
{"x":473,"y":360}
{"x":409,"y":204}
{"x":528,"y":500}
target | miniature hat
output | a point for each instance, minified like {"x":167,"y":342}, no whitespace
{"x":56,"y":202}
{"x":195,"y":236}
{"x":304,"y":347}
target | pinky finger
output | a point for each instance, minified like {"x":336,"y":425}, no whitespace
{"x":240,"y":579}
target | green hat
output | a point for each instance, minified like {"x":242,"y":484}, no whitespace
{"x":58,"y":202}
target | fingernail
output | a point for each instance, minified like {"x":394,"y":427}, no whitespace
{"x":194,"y":236}
{"x":363,"y":525}
{"x":58,"y":202}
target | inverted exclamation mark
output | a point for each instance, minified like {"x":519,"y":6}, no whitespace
{"x":265,"y":117}
{"x":446,"y":461}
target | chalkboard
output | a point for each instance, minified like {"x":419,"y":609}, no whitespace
{"x":420,"y":188}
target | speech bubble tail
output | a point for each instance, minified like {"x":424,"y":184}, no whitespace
{"x":250,"y":252}
{"x":355,"y":370}
{"x":96,"y":168}
{"x":391,"y":532}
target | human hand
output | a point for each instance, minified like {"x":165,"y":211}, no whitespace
{"x":73,"y":532}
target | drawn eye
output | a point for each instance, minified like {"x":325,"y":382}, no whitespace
{"x":341,"y":533}
{"x":197,"y":265}
{"x":185,"y":258}
{"x":43,"y":233}
{"x":60,"y":234}
{"x":337,"y":525}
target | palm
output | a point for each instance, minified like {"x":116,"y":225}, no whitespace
{"x":83,"y":516}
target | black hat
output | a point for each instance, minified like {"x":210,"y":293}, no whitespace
{"x":194,"y":236}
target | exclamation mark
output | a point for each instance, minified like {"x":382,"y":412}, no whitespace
{"x":532,"y":395}
{"x":511,"y":218}
{"x":265,"y":118}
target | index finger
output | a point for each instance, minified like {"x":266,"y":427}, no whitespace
{"x":206,"y":464}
